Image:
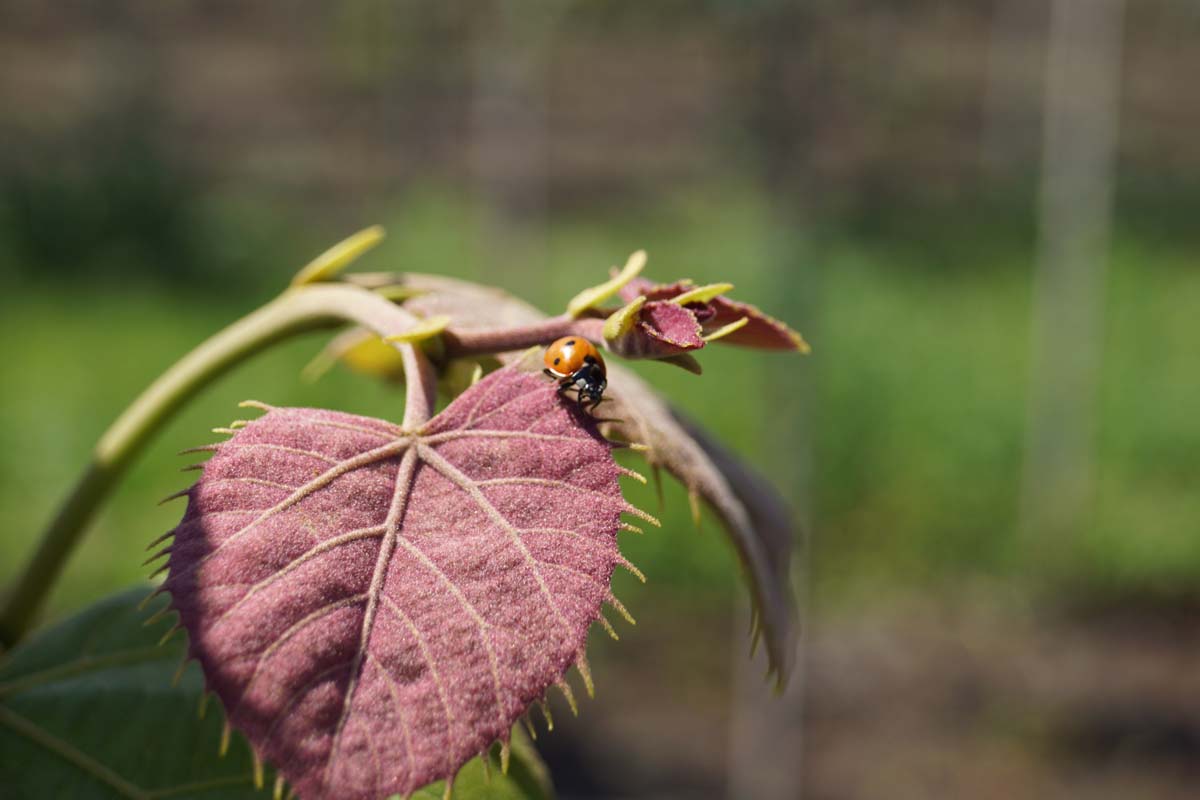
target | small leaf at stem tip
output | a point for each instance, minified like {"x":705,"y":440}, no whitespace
{"x":702,"y":294}
{"x":476,"y":374}
{"x":727,"y":329}
{"x":621,"y":321}
{"x":425,"y":329}
{"x":595,"y":295}
{"x":337,"y":258}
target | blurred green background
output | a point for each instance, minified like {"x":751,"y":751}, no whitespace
{"x":873,"y":173}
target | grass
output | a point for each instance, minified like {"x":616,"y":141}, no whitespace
{"x":909,"y":415}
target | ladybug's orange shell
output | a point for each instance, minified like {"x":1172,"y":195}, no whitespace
{"x":566,"y":355}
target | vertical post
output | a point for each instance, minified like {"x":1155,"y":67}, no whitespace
{"x":1078,"y":153}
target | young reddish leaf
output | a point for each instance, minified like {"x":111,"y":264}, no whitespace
{"x":760,"y":330}
{"x":662,"y":330}
{"x":375,"y":606}
{"x":753,"y":514}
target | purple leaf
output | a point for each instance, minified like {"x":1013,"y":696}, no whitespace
{"x":663,"y":329}
{"x":753,"y":514}
{"x":760,"y":331}
{"x":373,"y":606}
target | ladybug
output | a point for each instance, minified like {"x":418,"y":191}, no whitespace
{"x":576,"y":364}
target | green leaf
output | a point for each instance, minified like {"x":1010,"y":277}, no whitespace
{"x":88,"y":709}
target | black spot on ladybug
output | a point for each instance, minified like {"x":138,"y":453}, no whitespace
{"x":571,"y":343}
{"x":557,"y":360}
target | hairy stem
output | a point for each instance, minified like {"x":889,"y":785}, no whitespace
{"x":297,"y":310}
{"x":463,"y":344}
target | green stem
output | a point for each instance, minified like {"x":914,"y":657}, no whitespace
{"x":304,"y":308}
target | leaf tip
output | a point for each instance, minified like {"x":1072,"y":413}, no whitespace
{"x":565,"y":688}
{"x":724,"y":331}
{"x":328,"y":264}
{"x":621,"y":321}
{"x":608,"y":628}
{"x":258,"y":769}
{"x":702,"y":294}
{"x":594,"y":295}
{"x":226,"y":732}
{"x":585,"y":672}
{"x":174,"y":496}
{"x":630,"y":473}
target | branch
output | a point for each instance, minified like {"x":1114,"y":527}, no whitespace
{"x":300,"y":309}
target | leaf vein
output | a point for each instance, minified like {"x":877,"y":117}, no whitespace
{"x":387,"y":547}
{"x":70,"y":753}
{"x":456,"y":476}
{"x":308,"y":555}
{"x":261,"y":659}
{"x":371,"y":456}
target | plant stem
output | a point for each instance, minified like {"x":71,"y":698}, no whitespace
{"x":465,"y":343}
{"x":297,"y":310}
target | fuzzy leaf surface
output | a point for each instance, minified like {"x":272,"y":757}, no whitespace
{"x":753,"y":515}
{"x":376,"y":606}
{"x":88,"y":708}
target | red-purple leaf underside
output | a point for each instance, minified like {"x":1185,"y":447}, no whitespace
{"x":672,"y":325}
{"x":375,"y":607}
